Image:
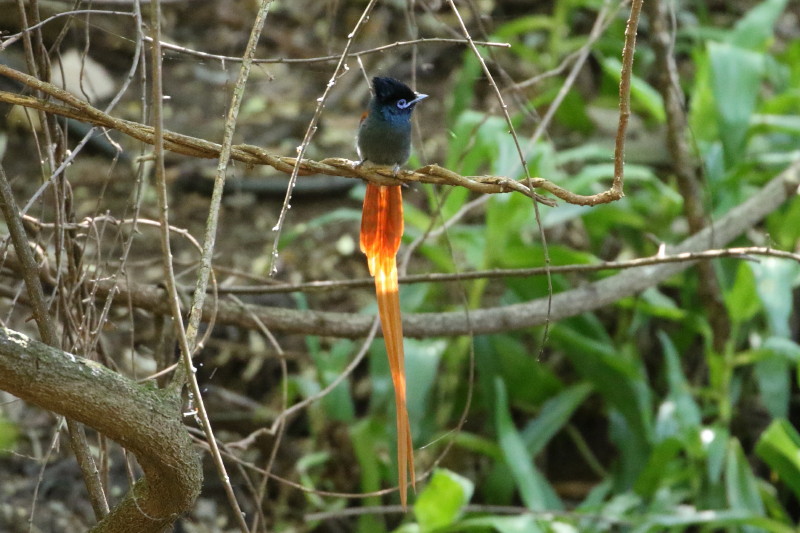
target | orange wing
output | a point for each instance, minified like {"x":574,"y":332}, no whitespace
{"x":381,"y":232}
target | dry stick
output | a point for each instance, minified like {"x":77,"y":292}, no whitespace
{"x":293,"y":484}
{"x":166,"y":254}
{"x":44,"y":147}
{"x":219,"y":179}
{"x":310,"y":131}
{"x":362,"y":352}
{"x":151,"y":299}
{"x":253,"y":155}
{"x":528,"y":180}
{"x":11,"y":39}
{"x":260,"y":494}
{"x":47,"y":330}
{"x":212,"y":222}
{"x":709,"y":291}
{"x":324,"y":59}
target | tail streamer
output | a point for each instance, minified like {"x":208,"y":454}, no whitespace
{"x":381,"y":232}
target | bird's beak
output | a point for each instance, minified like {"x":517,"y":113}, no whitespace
{"x":419,"y":98}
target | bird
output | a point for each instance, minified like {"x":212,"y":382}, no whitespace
{"x":384,"y":138}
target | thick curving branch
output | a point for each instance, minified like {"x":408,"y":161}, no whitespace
{"x":144,"y":420}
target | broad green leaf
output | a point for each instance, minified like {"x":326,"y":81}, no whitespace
{"x":660,"y":467}
{"x":687,"y":515}
{"x":715,"y":442}
{"x":679,"y":415}
{"x":779,"y":447}
{"x":533,"y":487}
{"x":442,"y":501}
{"x":365,"y":436}
{"x":773,"y":374}
{"x":619,"y":379}
{"x":735,"y":81}
{"x":755,"y":29}
{"x":338,"y":403}
{"x":741,"y":485}
{"x":527,"y":380}
{"x":742,"y":299}
{"x":643,"y":95}
{"x":554,"y":414}
{"x":775,"y":278}
{"x":422,"y":368}
{"x":501,"y":524}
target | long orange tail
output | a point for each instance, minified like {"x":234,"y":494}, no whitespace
{"x":381,"y":232}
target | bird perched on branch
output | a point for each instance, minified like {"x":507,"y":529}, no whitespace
{"x":384,"y":138}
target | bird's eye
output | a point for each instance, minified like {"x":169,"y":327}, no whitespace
{"x":402,"y":104}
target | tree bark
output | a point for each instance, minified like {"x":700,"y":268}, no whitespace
{"x":143,"y":419}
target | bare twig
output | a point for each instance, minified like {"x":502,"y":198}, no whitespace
{"x":689,"y":183}
{"x":310,"y":131}
{"x":169,"y":274}
{"x":326,"y":59}
{"x":253,"y":155}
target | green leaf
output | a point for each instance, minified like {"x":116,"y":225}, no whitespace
{"x":715,"y":441}
{"x":338,"y":403}
{"x":9,"y":432}
{"x":422,"y":367}
{"x":527,"y":381}
{"x":554,"y":414}
{"x":740,"y":483}
{"x":533,"y":488}
{"x":755,"y":29}
{"x":774,"y":279}
{"x":643,"y":94}
{"x":774,"y":383}
{"x":741,"y":299}
{"x":365,"y":436}
{"x":502,"y":524}
{"x":779,"y":447}
{"x":735,"y":81}
{"x":442,"y":501}
{"x":679,"y":415}
{"x":660,"y":468}
{"x":618,"y":378}
{"x":686,"y":515}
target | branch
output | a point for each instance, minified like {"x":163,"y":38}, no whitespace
{"x":488,"y":320}
{"x":77,"y":109}
{"x":142,"y":419}
{"x":684,"y":166}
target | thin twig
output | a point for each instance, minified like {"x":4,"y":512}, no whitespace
{"x":310,"y":131}
{"x":229,"y":128}
{"x":174,"y":299}
{"x":325,"y":59}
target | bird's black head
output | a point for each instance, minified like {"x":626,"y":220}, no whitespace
{"x":391,"y":92}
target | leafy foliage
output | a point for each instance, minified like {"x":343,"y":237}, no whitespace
{"x":669,"y":446}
